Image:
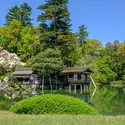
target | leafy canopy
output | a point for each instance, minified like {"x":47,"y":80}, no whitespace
{"x":47,"y":62}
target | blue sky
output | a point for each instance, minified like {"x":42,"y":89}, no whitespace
{"x":105,"y":19}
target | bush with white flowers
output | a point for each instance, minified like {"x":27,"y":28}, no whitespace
{"x":6,"y":89}
{"x":8,"y":61}
{"x":15,"y":90}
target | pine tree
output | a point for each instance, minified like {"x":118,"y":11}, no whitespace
{"x":56,"y":11}
{"x":55,"y":25}
{"x":21,"y":13}
{"x":47,"y":63}
{"x":83,"y":34}
{"x":12,"y":14}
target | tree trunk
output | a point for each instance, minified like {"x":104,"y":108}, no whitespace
{"x":56,"y":82}
{"x":43,"y":84}
{"x":50,"y":82}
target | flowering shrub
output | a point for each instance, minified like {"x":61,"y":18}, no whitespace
{"x":15,"y":90}
{"x":5,"y":88}
{"x":9,"y":60}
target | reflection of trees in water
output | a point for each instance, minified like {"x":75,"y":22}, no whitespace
{"x":85,"y":96}
{"x":110,"y":101}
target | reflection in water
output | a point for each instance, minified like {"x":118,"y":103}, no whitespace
{"x":110,"y":101}
{"x":107,"y":100}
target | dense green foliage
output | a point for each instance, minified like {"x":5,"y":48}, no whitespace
{"x":47,"y":62}
{"x":57,"y":32}
{"x":54,"y":33}
{"x":20,"y":40}
{"x":5,"y":104}
{"x":53,"y":104}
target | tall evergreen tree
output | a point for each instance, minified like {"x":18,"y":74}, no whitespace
{"x":82,"y":34}
{"x":56,"y":11}
{"x":55,"y":28}
{"x":12,"y":14}
{"x":21,"y":13}
{"x":54,"y":20}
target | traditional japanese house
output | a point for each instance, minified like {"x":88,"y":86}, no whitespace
{"x":26,"y":76}
{"x":76,"y":76}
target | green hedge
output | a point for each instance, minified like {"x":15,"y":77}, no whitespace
{"x":5,"y":104}
{"x":53,"y":104}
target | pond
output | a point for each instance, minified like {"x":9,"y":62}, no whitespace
{"x":107,"y":100}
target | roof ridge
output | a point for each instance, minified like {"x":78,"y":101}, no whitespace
{"x":23,"y":69}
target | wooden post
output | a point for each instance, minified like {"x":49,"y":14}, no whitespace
{"x":43,"y":81}
{"x":93,"y":82}
{"x":93,"y":94}
{"x":87,"y":89}
{"x":84,"y":88}
{"x":69,"y":88}
{"x":81,"y":88}
{"x":75,"y":88}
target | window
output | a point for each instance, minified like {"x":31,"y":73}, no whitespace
{"x":70,"y":75}
{"x":88,"y":77}
{"x":79,"y":76}
{"x":26,"y":81}
{"x":75,"y":77}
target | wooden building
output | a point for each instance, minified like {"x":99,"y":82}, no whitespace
{"x":73,"y":77}
{"x":26,"y":76}
{"x":76,"y":77}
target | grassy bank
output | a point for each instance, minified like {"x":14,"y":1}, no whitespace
{"x":7,"y":118}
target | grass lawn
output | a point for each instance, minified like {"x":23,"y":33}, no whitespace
{"x":7,"y":118}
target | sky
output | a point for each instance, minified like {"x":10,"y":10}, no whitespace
{"x":105,"y":19}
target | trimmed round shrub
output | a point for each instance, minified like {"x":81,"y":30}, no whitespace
{"x":53,"y":104}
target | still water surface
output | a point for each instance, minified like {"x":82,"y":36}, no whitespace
{"x":107,"y":100}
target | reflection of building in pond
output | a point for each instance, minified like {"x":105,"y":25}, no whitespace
{"x":77,"y":77}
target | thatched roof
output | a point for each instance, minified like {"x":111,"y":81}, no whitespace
{"x":76,"y":70}
{"x":24,"y":69}
{"x":22,"y":72}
